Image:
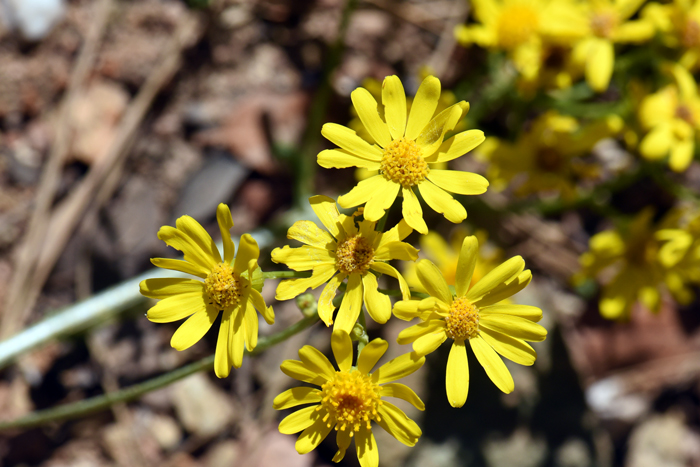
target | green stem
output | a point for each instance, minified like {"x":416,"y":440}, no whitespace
{"x":95,"y":404}
{"x":285,"y":274}
{"x":364,"y":338}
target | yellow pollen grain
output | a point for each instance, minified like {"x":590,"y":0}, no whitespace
{"x":222,"y":286}
{"x":603,"y":24}
{"x":403,"y":163}
{"x":352,"y":400}
{"x":517,"y":23}
{"x":463,"y":320}
{"x":354,"y":255}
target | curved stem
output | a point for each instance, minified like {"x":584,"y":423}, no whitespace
{"x":285,"y":274}
{"x":95,"y":404}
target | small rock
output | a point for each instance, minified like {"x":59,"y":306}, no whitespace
{"x":203,"y":408}
{"x":33,"y":18}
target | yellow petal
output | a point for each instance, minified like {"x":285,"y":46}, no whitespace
{"x":657,"y":142}
{"x":397,"y":424}
{"x":681,"y":155}
{"x":423,"y":106}
{"x":348,"y":140}
{"x":432,"y":135}
{"x":225,"y":221}
{"x":463,"y":183}
{"x":362,"y":193}
{"x":366,"y":108}
{"x":524,"y":311}
{"x":381,"y":199}
{"x":457,"y":375}
{"x":327,"y":212}
{"x":247,"y":250}
{"x":402,"y":391}
{"x":366,"y":445}
{"x":457,"y":146}
{"x":513,"y":326}
{"x":442,"y":202}
{"x":370,"y":355}
{"x":433,"y":281}
{"x":192,"y":330}
{"x":497,"y":276}
{"x":310,"y":234}
{"x":297,"y":370}
{"x":395,"y":234}
{"x":315,"y":361}
{"x":394,"y":100}
{"x":199,"y":236}
{"x":250,"y":325}
{"x":222,"y":357}
{"x":177,"y":307}
{"x":296,"y":396}
{"x":341,"y":159}
{"x":182,"y":266}
{"x":396,"y":250}
{"x":389,"y":270}
{"x":506,"y":290}
{"x":511,"y":348}
{"x":410,"y":334}
{"x":312,"y":436}
{"x":412,"y":212}
{"x":398,"y":368}
{"x":169,"y":286}
{"x":303,"y":258}
{"x":633,"y":31}
{"x":299,"y":420}
{"x":256,"y":299}
{"x":325,"y":303}
{"x":237,"y":338}
{"x":351,"y":306}
{"x":378,"y":305}
{"x":406,"y":309}
{"x":288,"y":289}
{"x":341,"y":344}
{"x":191,"y":251}
{"x":466,"y":265}
{"x":343,"y":440}
{"x":492,"y":363}
{"x":429,"y":343}
{"x":599,"y":64}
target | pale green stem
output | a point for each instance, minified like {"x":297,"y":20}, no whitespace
{"x":88,"y":406}
{"x":285,"y":274}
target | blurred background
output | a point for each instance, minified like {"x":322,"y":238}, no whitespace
{"x":118,"y":116}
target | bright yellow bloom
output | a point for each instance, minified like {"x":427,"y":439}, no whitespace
{"x":405,"y":151}
{"x":547,"y":156}
{"x":350,"y":398}
{"x":672,"y":118}
{"x":232,"y":287}
{"x":679,"y":23}
{"x":601,"y":24}
{"x":351,"y":250}
{"x":473,"y":314}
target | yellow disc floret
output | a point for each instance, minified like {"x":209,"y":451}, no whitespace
{"x":222,"y":286}
{"x":354,"y":255}
{"x":351,"y":399}
{"x":603,"y":24}
{"x":403,"y":163}
{"x":463,"y":320}
{"x":517,"y":23}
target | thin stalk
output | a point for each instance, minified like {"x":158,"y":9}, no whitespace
{"x":105,"y":401}
{"x":285,"y":274}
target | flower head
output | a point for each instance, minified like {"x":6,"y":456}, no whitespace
{"x":473,"y":313}
{"x":228,"y":286}
{"x":348,"y":250}
{"x":679,"y":25}
{"x":406,"y":149}
{"x":349,"y":398}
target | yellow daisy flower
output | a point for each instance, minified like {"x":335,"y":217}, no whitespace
{"x":350,"y":398}
{"x":679,"y":24}
{"x":229,"y":286}
{"x":672,"y":118}
{"x":680,"y":254}
{"x":348,"y":250}
{"x":473,"y":314}
{"x":405,"y":150}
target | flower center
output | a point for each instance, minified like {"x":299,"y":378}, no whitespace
{"x":690,"y":36}
{"x":603,"y":23}
{"x":684,"y":113}
{"x":354,"y":254}
{"x":463,"y":320}
{"x":222,"y":286}
{"x":516,"y":24}
{"x":403,"y":163}
{"x":351,"y":399}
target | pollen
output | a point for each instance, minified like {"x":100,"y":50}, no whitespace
{"x":354,"y":255}
{"x":463,"y":320}
{"x":603,"y":24}
{"x":352,"y":400}
{"x":222,"y":286}
{"x":517,"y":23}
{"x":403,"y":163}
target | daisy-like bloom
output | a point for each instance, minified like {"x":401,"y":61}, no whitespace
{"x":404,"y":152}
{"x":680,"y":254}
{"x":672,"y":118}
{"x":548,"y":157}
{"x":349,"y":398}
{"x":229,"y":286}
{"x":473,"y":313}
{"x":348,"y":250}
{"x":679,"y":24}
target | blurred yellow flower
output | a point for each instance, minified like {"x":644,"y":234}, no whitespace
{"x":680,"y":254}
{"x":473,"y":314}
{"x":349,"y":399}
{"x":347,"y":250}
{"x":229,"y":286}
{"x":679,"y":24}
{"x":672,"y":117}
{"x":406,"y":149}
{"x":547,"y":156}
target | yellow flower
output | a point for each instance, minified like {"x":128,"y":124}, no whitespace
{"x":473,"y":314}
{"x":547,"y":156}
{"x":350,"y":398}
{"x":352,"y":251}
{"x":679,"y":23}
{"x":405,"y":150}
{"x":672,"y":118}
{"x":229,"y":286}
{"x":601,"y":24}
{"x":680,"y":254}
